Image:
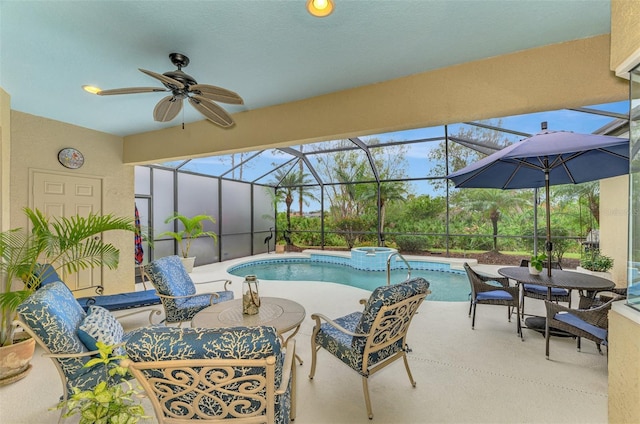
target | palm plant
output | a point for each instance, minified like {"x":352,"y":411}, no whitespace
{"x":64,"y":243}
{"x":193,"y":227}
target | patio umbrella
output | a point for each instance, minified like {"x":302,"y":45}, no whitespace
{"x":548,"y":158}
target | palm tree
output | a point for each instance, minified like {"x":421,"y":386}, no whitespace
{"x":389,"y":192}
{"x":291,"y":181}
{"x":492,"y":202}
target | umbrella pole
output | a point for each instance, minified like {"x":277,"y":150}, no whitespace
{"x":548,"y":244}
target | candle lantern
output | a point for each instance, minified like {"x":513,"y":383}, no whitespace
{"x":250,"y":296}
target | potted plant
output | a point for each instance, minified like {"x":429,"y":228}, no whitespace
{"x":108,"y":401}
{"x":536,"y":263}
{"x":280,"y":245}
{"x":64,"y":243}
{"x":192,"y":228}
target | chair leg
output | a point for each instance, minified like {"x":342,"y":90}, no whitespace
{"x":314,"y":351}
{"x":470,"y":305}
{"x":509,"y":313}
{"x":473,"y":319}
{"x":367,"y":400}
{"x":578,"y":343}
{"x":406,"y":365}
{"x":546,"y":338}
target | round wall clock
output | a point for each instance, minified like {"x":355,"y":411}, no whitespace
{"x":70,"y":158}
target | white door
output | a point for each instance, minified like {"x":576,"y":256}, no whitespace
{"x":66,"y":195}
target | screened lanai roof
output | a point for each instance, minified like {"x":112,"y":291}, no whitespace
{"x":408,"y":155}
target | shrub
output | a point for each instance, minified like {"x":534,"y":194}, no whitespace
{"x":411,"y":243}
{"x":595,"y":261}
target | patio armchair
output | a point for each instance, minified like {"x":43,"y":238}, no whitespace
{"x":592,"y":323}
{"x":536,"y":291}
{"x":177,"y":290}
{"x":238,"y":374}
{"x":57,"y":322}
{"x":486,"y":290}
{"x":370,"y":340}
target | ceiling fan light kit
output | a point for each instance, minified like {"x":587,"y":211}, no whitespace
{"x":202,"y":97}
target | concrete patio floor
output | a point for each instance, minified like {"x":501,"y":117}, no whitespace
{"x":486,"y":375}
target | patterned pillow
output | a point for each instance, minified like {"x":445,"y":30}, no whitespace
{"x":100,"y":326}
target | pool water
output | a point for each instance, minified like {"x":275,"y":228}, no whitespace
{"x":450,"y":286}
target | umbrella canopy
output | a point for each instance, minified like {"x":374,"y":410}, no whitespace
{"x":548,"y":158}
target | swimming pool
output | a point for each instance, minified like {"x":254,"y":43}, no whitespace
{"x":445,"y":284}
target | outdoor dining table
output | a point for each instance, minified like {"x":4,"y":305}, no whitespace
{"x":569,"y":280}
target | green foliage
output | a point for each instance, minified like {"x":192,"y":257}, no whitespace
{"x":410,"y":243}
{"x":351,"y":227}
{"x":537,"y":261}
{"x":65,"y":243}
{"x":595,"y":261}
{"x":108,"y":402}
{"x":192,"y":228}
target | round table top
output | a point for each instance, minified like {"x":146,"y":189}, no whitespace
{"x":559,"y":278}
{"x":283,"y":314}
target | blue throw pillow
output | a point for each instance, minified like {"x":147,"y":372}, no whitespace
{"x":100,"y":326}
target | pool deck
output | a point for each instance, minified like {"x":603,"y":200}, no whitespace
{"x":484,"y":375}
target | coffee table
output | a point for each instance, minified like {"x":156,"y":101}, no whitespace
{"x":283,"y":314}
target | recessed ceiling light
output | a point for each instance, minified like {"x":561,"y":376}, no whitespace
{"x":91,"y":89}
{"x":320,"y":8}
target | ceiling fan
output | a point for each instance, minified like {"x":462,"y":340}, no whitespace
{"x":183,"y":86}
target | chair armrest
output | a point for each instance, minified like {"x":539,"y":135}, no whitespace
{"x":287,"y":367}
{"x":226,"y":282}
{"x":329,"y":321}
{"x":166,"y":296}
{"x":595,"y":316}
{"x":504,"y":281}
{"x":70,"y":355}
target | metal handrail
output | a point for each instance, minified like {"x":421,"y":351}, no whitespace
{"x":389,"y":266}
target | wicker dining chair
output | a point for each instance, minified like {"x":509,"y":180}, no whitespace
{"x":486,"y":290}
{"x":591,"y":324}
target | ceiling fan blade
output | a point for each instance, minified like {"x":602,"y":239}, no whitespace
{"x":211,"y":111}
{"x":175,"y":84}
{"x":167,"y":109}
{"x":217,"y":94}
{"x":130,"y":90}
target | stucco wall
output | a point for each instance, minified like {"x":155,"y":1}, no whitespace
{"x":5,"y":163}
{"x":624,"y":365}
{"x":35,"y":142}
{"x":625,"y":31}
{"x":614,"y":225}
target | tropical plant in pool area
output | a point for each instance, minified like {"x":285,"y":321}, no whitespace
{"x":192,"y":228}
{"x":68,"y":244}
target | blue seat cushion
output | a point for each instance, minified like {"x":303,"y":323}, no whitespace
{"x":574,"y":321}
{"x":494,"y":295}
{"x":116,"y":302}
{"x":542,"y":290}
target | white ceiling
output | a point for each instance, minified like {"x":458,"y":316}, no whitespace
{"x":268,"y":51}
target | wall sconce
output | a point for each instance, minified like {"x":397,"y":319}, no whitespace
{"x":320,"y":8}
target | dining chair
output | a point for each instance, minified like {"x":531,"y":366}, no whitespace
{"x":370,"y":340}
{"x":536,"y":291}
{"x":588,"y":323}
{"x":486,"y":290}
